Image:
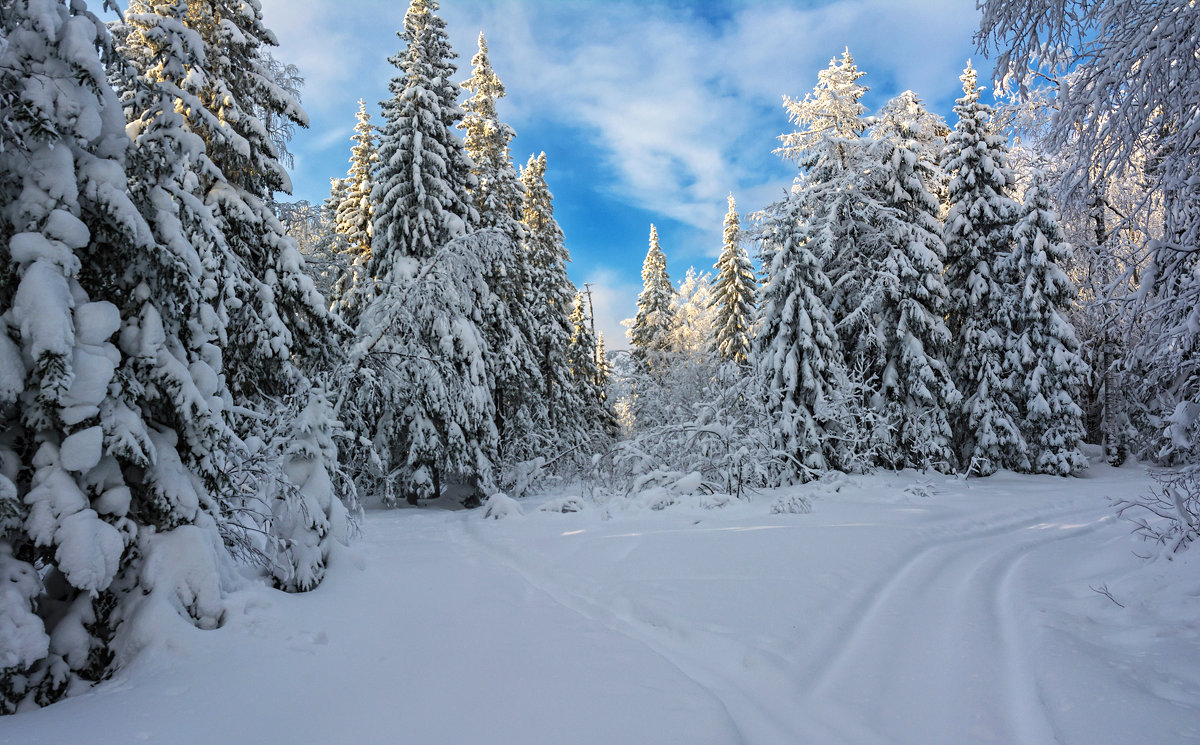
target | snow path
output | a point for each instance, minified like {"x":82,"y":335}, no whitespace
{"x":884,"y":617}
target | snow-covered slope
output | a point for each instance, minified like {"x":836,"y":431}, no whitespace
{"x":904,"y":609}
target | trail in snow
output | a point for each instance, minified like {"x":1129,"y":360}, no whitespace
{"x":883,"y":617}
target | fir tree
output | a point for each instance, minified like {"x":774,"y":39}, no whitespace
{"x":553,"y":295}
{"x":499,"y":199}
{"x":1049,"y":373}
{"x":651,"y":330}
{"x":978,"y":233}
{"x":734,"y":293}
{"x":353,"y":216}
{"x":797,"y":350}
{"x":112,"y":403}
{"x":422,"y":191}
{"x":916,"y":391}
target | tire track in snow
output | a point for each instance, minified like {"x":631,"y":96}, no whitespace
{"x":979,"y":583}
{"x":948,"y":581}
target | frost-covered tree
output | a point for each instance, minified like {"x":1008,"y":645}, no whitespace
{"x":796,"y":351}
{"x":1129,"y":73}
{"x":735,"y":293}
{"x":417,"y":375}
{"x":583,"y":357}
{"x":114,"y":453}
{"x":650,"y":333}
{"x":1047,"y":364}
{"x":422,"y":189}
{"x":916,"y":394}
{"x":278,"y":324}
{"x":553,"y":296}
{"x":499,"y":199}
{"x":978,"y":234}
{"x":421,"y":390}
{"x":353,"y":215}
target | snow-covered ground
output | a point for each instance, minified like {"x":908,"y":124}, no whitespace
{"x":905,"y":608}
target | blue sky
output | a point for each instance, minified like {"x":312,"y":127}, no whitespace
{"x":649,"y":112}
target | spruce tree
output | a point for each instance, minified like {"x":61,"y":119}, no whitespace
{"x":797,"y":350}
{"x":499,"y":199}
{"x":114,"y":446}
{"x":651,"y":330}
{"x":583,"y":357}
{"x":354,"y":214}
{"x":422,"y":190}
{"x":978,"y":234}
{"x":916,"y":390}
{"x":425,"y":399}
{"x":553,"y":295}
{"x":1048,"y":370}
{"x":279,"y":327}
{"x":202,"y":98}
{"x":735,"y":293}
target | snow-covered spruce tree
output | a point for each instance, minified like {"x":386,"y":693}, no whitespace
{"x":207,"y":63}
{"x":279,"y":326}
{"x":114,"y":447}
{"x":916,"y":391}
{"x":1049,"y":370}
{"x":584,"y":360}
{"x":847,"y":228}
{"x":422,"y":190}
{"x":499,"y":199}
{"x":926,"y":134}
{"x":978,"y":234}
{"x":353,"y":216}
{"x":553,"y":295}
{"x":796,"y":351}
{"x":735,"y":293}
{"x":420,"y":390}
{"x":650,"y":333}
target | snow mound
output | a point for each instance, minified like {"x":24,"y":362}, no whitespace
{"x":792,"y":504}
{"x":563,"y":505}
{"x":499,"y":506}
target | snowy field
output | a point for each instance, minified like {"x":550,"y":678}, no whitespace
{"x":905,"y":608}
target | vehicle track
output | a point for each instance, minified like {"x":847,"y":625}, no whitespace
{"x":846,"y":684}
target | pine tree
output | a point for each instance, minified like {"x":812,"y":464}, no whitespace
{"x":916,"y":391}
{"x":424,"y":397}
{"x":650,"y":333}
{"x":553,"y":295}
{"x":1048,"y":369}
{"x":112,"y":403}
{"x":978,"y":233}
{"x":797,"y":350}
{"x":735,"y":293}
{"x":207,"y":162}
{"x":584,"y":362}
{"x":273,"y":313}
{"x":353,"y":216}
{"x":499,"y":199}
{"x":422,"y":191}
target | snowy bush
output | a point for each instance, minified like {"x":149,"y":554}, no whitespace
{"x":1169,"y":515}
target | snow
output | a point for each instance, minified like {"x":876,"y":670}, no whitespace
{"x":905,"y":608}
